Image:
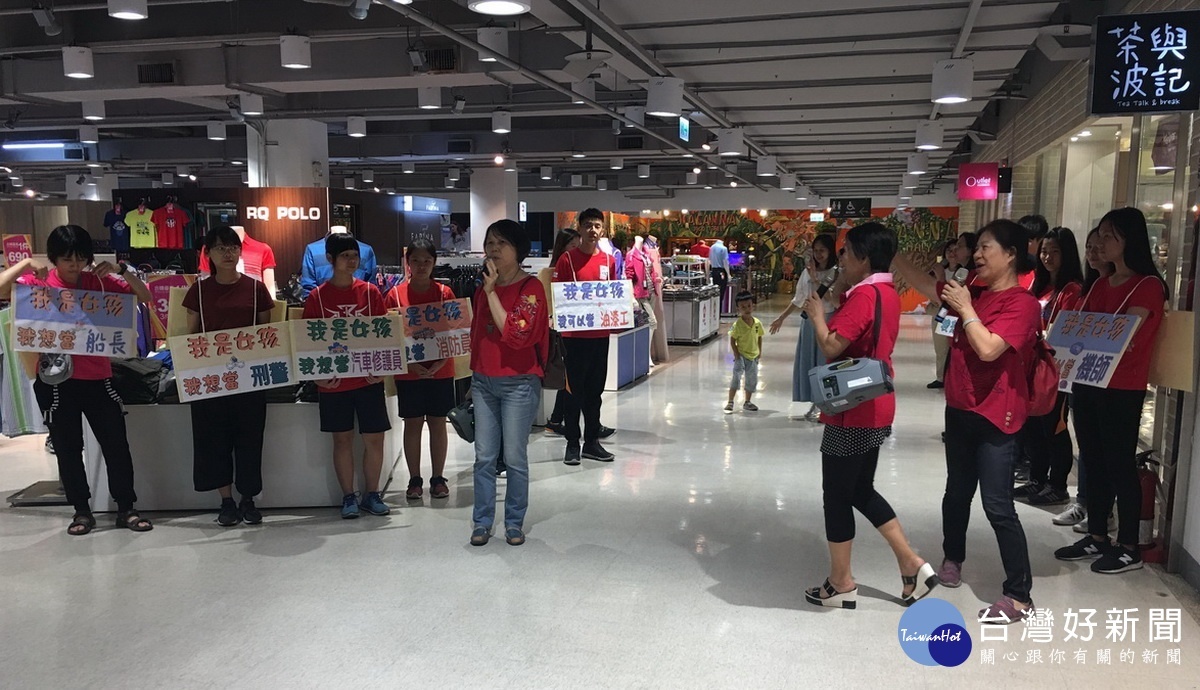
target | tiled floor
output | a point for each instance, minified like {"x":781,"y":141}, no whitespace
{"x":682,"y":564}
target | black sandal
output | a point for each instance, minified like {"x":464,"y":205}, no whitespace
{"x":832,"y":598}
{"x":133,"y":521}
{"x":85,"y":522}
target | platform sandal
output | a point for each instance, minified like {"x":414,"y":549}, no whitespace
{"x":922,"y":583}
{"x":832,"y":598}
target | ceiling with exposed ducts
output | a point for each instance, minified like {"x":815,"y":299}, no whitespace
{"x":834,"y":91}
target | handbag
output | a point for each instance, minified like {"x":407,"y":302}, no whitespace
{"x":844,"y":385}
{"x":55,"y":368}
{"x":462,"y":418}
{"x":554,"y":369}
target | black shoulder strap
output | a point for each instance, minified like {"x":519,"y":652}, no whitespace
{"x":878,"y":318}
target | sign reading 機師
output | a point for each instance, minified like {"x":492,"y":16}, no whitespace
{"x":232,"y":361}
{"x":438,"y":330}
{"x":590,"y":305}
{"x":1088,"y":346}
{"x":1143,"y":63}
{"x":347,"y":347}
{"x":75,"y":322}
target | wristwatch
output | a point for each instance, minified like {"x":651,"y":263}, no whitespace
{"x":124,"y":267}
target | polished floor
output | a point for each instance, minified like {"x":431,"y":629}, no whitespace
{"x":681,"y":565}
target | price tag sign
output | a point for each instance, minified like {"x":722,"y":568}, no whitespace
{"x":17,"y":248}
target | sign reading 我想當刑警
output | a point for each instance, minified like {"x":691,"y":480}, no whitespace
{"x":1143,"y":63}
{"x":236,"y":360}
{"x":437,"y":330}
{"x":1089,"y":345}
{"x":76,"y":322}
{"x":348,"y":347}
{"x":590,"y":305}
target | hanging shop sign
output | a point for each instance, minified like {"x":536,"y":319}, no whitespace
{"x":850,"y":208}
{"x":438,"y":330}
{"x":236,"y":360}
{"x":1142,"y":63}
{"x":590,"y":305}
{"x":347,"y":348}
{"x":17,"y":248}
{"x":1088,"y":346}
{"x":74,"y":322}
{"x":978,"y":181}
{"x":685,"y":129}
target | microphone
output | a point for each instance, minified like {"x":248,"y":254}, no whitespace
{"x":822,"y":289}
{"x":960,"y":277}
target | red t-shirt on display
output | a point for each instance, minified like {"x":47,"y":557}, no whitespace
{"x":404,"y":296}
{"x":85,"y":367}
{"x":228,"y":306}
{"x":574,"y":266}
{"x":1133,"y":372}
{"x":700,"y":249}
{"x":519,"y":349}
{"x":997,"y":390}
{"x":855,"y":321}
{"x":170,"y":221}
{"x":330,"y":302}
{"x":256,"y":258}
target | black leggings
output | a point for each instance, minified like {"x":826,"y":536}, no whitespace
{"x":848,"y":482}
{"x":1048,"y":445}
{"x":1108,"y":420}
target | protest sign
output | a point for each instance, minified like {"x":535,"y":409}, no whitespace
{"x":1089,"y":345}
{"x":593,"y":305}
{"x":75,"y":322}
{"x":235,"y":360}
{"x":348,"y":347}
{"x":437,"y":330}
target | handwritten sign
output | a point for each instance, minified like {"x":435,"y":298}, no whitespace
{"x":237,"y":360}
{"x":17,"y":248}
{"x":590,"y":305}
{"x":348,"y":347}
{"x":76,"y":322}
{"x":438,"y":330}
{"x":1088,"y":346}
{"x":160,"y":296}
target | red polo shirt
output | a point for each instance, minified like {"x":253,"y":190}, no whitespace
{"x":855,"y":321}
{"x":1133,"y":372}
{"x":403,"y":296}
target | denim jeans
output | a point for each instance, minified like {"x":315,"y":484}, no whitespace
{"x":504,"y":411}
{"x":979,"y":454}
{"x":750,"y":368}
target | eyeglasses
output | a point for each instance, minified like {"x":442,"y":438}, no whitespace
{"x":225,"y":249}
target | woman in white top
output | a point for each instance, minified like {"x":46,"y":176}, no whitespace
{"x":821,"y":268}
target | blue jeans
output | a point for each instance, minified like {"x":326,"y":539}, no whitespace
{"x":747,"y":366}
{"x":504,"y":411}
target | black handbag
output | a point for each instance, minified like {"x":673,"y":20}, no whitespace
{"x":462,"y":418}
{"x":554,"y":368}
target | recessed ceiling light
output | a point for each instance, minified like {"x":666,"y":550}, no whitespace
{"x":498,"y":8}
{"x":128,"y":9}
{"x":1086,"y":133}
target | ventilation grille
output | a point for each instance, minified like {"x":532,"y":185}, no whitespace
{"x":630,"y":143}
{"x":460,"y":146}
{"x":441,"y":59}
{"x":157,"y":73}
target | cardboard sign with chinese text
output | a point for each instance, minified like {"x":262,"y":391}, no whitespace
{"x":348,"y":347}
{"x":438,"y":330}
{"x":236,"y":360}
{"x":1088,"y":346}
{"x":76,"y":322}
{"x":590,"y":305}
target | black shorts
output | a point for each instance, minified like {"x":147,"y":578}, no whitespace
{"x":339,"y":409}
{"x":425,"y":397}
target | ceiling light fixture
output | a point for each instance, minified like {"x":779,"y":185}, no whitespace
{"x":29,"y":145}
{"x":576,"y":180}
{"x":730,"y":142}
{"x":408,"y":168}
{"x":930,"y":135}
{"x":664,"y":96}
{"x":643,"y":170}
{"x":918,"y":163}
{"x":192,"y":178}
{"x":216,"y":130}
{"x":128,"y":9}
{"x":766,"y":166}
{"x":584,"y":91}
{"x":168,"y":178}
{"x":578,"y":154}
{"x":787,"y":182}
{"x":904,"y":194}
{"x":499,"y":159}
{"x":601,"y":185}
{"x":952,"y":81}
{"x":251,"y":104}
{"x":616,"y":163}
{"x":77,"y":62}
{"x":356,"y":126}
{"x":429,"y":97}
{"x":454,"y":174}
{"x":295,"y":51}
{"x":1086,"y":133}
{"x":495,"y":39}
{"x":911,"y":181}
{"x":89,"y":134}
{"x":93,"y":110}
{"x":510,"y":165}
{"x":498,"y":8}
{"x":349,"y":182}
{"x":547,"y":173}
{"x":448,"y":183}
{"x":416,"y":57}
{"x":692,"y":178}
{"x":368,"y":175}
{"x":460,"y":104}
{"x":501,"y":121}
{"x":637,"y":114}
{"x":45,"y":18}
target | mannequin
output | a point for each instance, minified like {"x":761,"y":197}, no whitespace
{"x":659,"y":352}
{"x":258,"y":260}
{"x":315,"y":268}
{"x":639,"y":269}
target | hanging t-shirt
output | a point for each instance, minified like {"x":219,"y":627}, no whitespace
{"x":228,"y":306}
{"x":86,"y":368}
{"x":141,"y":228}
{"x":330,"y":301}
{"x":404,"y":296}
{"x":169,"y":221}
{"x":256,"y":258}
{"x":118,"y":231}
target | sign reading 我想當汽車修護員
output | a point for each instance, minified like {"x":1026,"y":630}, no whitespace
{"x":850,"y":208}
{"x":1143,"y":63}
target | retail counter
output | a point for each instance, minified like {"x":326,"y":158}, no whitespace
{"x":628,"y":357}
{"x":691,"y":313}
{"x":297,"y":459}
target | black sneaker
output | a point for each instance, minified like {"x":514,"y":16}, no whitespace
{"x":1118,"y":559}
{"x":250,"y":513}
{"x":557,"y":428}
{"x":229,"y":515}
{"x":1084,"y":548}
{"x":1049,"y":496}
{"x":572,"y":455}
{"x":606,"y":431}
{"x":1027,"y":491}
{"x":595,"y":451}
{"x":1021,"y":474}
{"x":50,"y":446}
{"x":935,"y":384}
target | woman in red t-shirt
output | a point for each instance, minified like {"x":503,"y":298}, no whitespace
{"x":995,"y":325}
{"x":426,"y":393}
{"x":850,"y":445}
{"x":1108,"y":418}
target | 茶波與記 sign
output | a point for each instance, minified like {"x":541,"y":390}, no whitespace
{"x":75,"y":322}
{"x":437,"y":330}
{"x":590,"y":305}
{"x":1089,"y":345}
{"x":347,"y":347}
{"x":236,"y":360}
{"x":1143,"y":63}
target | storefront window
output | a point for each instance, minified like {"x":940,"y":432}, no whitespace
{"x":1156,"y":182}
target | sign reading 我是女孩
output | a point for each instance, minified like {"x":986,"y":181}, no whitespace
{"x":348,"y":347}
{"x":75,"y":322}
{"x":590,"y":305}
{"x":236,"y":360}
{"x":1145,"y":63}
{"x":1088,"y":346}
{"x":437,"y":330}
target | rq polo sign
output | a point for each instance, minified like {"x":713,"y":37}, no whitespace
{"x":283,"y":213}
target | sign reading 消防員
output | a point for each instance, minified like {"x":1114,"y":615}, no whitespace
{"x":1088,"y":346}
{"x":438,"y":330}
{"x":348,"y":347}
{"x":850,"y":208}
{"x":232,"y":361}
{"x":1143,"y":63}
{"x":590,"y":305}
{"x":75,"y":322}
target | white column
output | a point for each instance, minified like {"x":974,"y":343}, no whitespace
{"x":493,"y":198}
{"x":294,"y":153}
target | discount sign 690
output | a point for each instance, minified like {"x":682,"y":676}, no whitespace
{"x":17,"y":248}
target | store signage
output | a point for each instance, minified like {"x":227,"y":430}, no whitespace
{"x":427,"y":204}
{"x":283,"y":213}
{"x":1088,"y":346}
{"x":1142,"y":63}
{"x":160,"y":299}
{"x":17,"y":248}
{"x":816,"y":217}
{"x":74,"y":322}
{"x":215,"y":364}
{"x":593,"y":305}
{"x":978,"y":181}
{"x":850,"y":208}
{"x":685,"y":129}
{"x":437,"y":330}
{"x":347,"y":348}
{"x":522,"y":211}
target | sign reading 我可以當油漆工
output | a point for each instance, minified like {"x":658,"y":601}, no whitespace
{"x":348,"y":347}
{"x":75,"y":322}
{"x":437,"y":330}
{"x":1142,"y":63}
{"x":16,"y":249}
{"x":236,"y":360}
{"x":590,"y":305}
{"x":1088,"y":346}
{"x":850,"y":208}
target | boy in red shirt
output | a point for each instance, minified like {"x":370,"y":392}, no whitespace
{"x":341,"y":399}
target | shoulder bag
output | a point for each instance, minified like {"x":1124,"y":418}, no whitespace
{"x":844,"y":385}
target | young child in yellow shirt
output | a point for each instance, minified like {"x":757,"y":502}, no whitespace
{"x":745,"y":339}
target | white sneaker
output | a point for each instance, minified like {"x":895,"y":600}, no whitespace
{"x":1073,"y":515}
{"x":1082,"y":527}
{"x":728,"y":408}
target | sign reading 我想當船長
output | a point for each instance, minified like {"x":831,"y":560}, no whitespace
{"x":1143,"y":63}
{"x":348,"y":347}
{"x":236,"y":360}
{"x":590,"y":305}
{"x":75,"y":322}
{"x":437,"y":330}
{"x":1088,"y":346}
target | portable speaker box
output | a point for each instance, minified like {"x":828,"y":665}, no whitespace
{"x":842,"y":386}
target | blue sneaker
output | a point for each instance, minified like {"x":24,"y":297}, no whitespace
{"x":373,"y":504}
{"x":349,"y":506}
